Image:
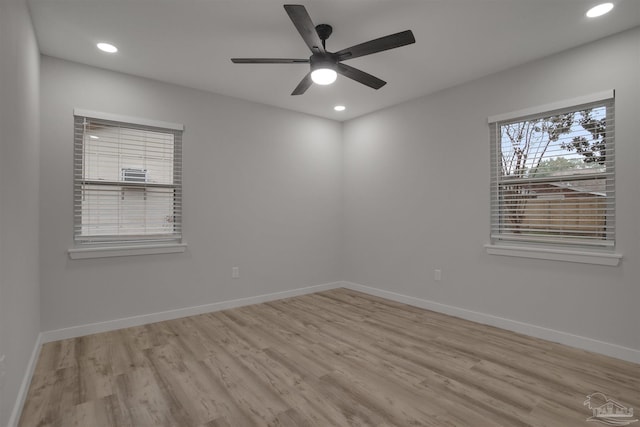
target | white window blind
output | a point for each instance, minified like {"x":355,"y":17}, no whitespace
{"x":553,"y":176}
{"x":127,"y":182}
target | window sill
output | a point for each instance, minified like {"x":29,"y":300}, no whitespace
{"x":131,"y":250}
{"x":555,"y":254}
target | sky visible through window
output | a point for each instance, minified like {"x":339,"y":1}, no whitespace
{"x":554,"y":145}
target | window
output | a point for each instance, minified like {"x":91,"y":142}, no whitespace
{"x":553,"y":175}
{"x":127,"y":181}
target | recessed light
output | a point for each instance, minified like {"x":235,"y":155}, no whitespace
{"x":94,"y":137}
{"x":599,"y":10}
{"x":339,"y":108}
{"x":107,"y":47}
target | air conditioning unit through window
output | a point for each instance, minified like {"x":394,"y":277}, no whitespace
{"x":133,"y":175}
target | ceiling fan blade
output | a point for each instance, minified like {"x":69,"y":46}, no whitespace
{"x":378,"y":45}
{"x":360,"y":76}
{"x":269,"y":61}
{"x":304,"y":24}
{"x":304,"y":84}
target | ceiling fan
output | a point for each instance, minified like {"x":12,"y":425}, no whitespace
{"x":325,"y":65}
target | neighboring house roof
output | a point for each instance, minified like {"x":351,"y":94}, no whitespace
{"x":596,"y":187}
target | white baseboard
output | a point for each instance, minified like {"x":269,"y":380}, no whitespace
{"x":26,"y":381}
{"x":127,"y":322}
{"x":608,"y":349}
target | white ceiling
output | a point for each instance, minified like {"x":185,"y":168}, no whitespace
{"x":190,"y":42}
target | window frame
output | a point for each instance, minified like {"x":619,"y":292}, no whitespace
{"x":602,"y":251}
{"x":110,"y":246}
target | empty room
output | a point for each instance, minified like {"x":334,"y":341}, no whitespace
{"x":237,"y":213}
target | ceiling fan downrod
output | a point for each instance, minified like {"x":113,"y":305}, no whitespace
{"x":324,"y":31}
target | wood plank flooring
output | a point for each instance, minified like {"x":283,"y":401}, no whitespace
{"x":335,"y":358}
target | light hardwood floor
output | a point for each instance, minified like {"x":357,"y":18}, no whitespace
{"x":335,"y":358}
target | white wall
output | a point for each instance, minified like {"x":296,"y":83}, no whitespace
{"x":262,"y":191}
{"x":19,"y":151}
{"x":417,"y":199}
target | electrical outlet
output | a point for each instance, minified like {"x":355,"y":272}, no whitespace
{"x":437,"y":275}
{"x":3,"y":370}
{"x":235,"y":272}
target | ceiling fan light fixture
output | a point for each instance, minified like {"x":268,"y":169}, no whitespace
{"x":324,"y":76}
{"x":323,"y":70}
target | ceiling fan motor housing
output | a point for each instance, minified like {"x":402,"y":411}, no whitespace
{"x":326,"y":60}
